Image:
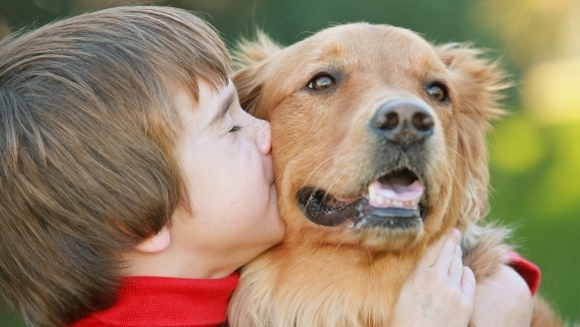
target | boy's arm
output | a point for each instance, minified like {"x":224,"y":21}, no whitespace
{"x":505,"y":299}
{"x":529,"y":271}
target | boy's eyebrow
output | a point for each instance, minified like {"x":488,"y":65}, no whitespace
{"x":224,"y":106}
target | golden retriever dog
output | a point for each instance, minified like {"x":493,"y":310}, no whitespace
{"x":379,"y":150}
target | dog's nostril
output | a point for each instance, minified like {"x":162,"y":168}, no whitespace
{"x":404,"y":122}
{"x":387,"y":122}
{"x":423,"y":121}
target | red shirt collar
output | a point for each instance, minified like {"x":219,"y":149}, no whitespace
{"x":164,"y":301}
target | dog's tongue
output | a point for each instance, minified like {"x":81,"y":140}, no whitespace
{"x":396,"y":193}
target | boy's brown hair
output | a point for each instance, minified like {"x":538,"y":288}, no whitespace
{"x":87,"y":149}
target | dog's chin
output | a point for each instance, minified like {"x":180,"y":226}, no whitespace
{"x":379,"y":223}
{"x":390,"y":229}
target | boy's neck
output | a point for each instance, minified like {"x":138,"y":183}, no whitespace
{"x":169,"y":264}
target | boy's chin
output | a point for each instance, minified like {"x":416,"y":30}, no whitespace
{"x":273,"y":238}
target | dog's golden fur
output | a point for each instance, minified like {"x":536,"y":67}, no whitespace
{"x":344,"y":275}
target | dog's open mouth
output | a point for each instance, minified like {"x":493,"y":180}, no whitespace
{"x":392,"y":201}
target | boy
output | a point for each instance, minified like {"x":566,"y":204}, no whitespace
{"x":133,"y":185}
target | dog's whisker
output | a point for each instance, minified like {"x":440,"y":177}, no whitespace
{"x":314,"y":171}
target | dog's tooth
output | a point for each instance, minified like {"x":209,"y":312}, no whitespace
{"x":380,"y":199}
{"x":388,"y":202}
{"x":372,"y":193}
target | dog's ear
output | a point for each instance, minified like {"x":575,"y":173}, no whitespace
{"x":250,"y":63}
{"x":476,"y":90}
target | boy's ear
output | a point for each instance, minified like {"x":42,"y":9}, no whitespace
{"x":477,"y":85}
{"x":157,"y":243}
{"x":250,"y":58}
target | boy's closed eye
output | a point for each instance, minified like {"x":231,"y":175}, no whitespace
{"x":235,"y":128}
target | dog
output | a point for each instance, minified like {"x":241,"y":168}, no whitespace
{"x":378,"y":142}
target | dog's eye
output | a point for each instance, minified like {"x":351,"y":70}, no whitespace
{"x":321,"y":82}
{"x":437,"y":92}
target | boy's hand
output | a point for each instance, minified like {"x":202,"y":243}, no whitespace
{"x":507,"y":296}
{"x":440,"y":292}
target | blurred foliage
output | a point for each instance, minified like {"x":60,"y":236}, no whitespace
{"x":550,"y":90}
{"x":535,"y":151}
{"x":535,"y":177}
{"x":528,"y":28}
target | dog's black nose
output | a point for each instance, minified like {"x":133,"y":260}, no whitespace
{"x":404,"y":122}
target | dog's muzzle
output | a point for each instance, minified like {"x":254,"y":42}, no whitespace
{"x":395,"y":197}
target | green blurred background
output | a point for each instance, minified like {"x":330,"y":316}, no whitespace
{"x":535,"y":150}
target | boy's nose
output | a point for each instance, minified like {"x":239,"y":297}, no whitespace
{"x":264,"y":137}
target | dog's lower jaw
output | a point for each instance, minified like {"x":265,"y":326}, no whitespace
{"x":361,"y":293}
{"x":380,"y":239}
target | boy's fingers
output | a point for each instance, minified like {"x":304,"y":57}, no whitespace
{"x":447,"y":255}
{"x":456,"y":268}
{"x":468,"y":284}
{"x":434,"y":251}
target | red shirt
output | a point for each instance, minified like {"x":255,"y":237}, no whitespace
{"x":181,"y":302}
{"x":167,"y":302}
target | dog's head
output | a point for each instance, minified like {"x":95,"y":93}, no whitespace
{"x":378,"y":136}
